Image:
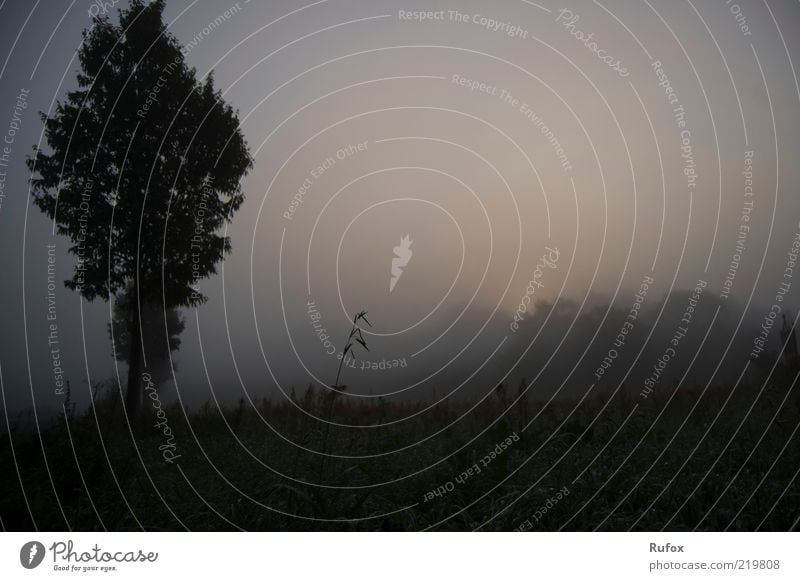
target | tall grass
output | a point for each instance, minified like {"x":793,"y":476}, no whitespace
{"x":255,"y":479}
{"x":355,"y":336}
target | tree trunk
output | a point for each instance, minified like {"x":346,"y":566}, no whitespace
{"x":133,"y":397}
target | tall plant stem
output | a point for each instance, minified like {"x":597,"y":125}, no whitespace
{"x":344,"y":354}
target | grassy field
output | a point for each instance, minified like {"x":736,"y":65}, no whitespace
{"x":720,"y":459}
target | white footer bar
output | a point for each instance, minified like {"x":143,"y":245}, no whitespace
{"x":401,"y":556}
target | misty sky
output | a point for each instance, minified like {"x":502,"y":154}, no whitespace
{"x":485,"y":144}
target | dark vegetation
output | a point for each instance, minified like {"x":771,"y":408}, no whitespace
{"x":142,"y":170}
{"x":238,"y":469}
{"x":143,"y":192}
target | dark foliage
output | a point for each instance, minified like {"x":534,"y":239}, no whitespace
{"x":144,"y":169}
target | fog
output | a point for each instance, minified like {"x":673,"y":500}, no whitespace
{"x":486,"y":150}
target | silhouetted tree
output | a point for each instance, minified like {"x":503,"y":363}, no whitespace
{"x":145,"y":169}
{"x":161,"y":330}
